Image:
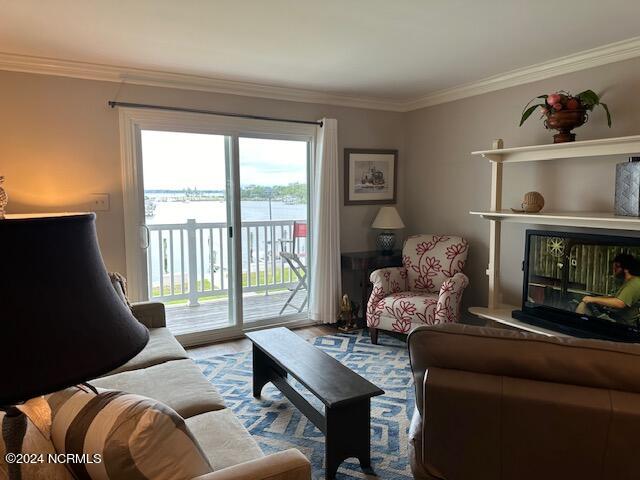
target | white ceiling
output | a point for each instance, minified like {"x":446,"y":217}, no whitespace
{"x":389,"y":49}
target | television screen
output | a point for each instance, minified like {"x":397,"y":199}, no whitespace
{"x":591,"y":278}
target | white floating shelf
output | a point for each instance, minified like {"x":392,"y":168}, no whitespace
{"x":503,"y":316}
{"x":572,"y":219}
{"x":584,"y":148}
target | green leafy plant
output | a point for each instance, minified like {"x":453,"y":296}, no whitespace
{"x":563,"y":100}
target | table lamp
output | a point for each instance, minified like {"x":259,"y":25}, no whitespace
{"x":387,"y":219}
{"x":61,"y":321}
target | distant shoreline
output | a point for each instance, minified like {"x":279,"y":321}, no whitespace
{"x":293,"y":201}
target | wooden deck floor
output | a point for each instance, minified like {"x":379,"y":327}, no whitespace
{"x":183,"y":319}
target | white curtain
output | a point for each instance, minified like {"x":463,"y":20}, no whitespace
{"x":326,"y":284}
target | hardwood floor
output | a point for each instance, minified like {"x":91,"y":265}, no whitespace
{"x":243,"y":344}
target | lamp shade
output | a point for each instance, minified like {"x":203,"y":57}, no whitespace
{"x":388,"y":219}
{"x":61,"y":321}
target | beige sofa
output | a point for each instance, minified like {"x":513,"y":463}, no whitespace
{"x":163,"y":371}
{"x":500,"y":404}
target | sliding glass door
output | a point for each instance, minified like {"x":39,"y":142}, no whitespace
{"x":273,"y":176}
{"x":187,"y":214}
{"x":217,"y":220}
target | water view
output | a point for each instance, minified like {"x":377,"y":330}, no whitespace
{"x":267,"y":229}
{"x":215,"y":211}
{"x":187,"y":215}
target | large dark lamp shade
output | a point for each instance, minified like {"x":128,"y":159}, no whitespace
{"x":61,"y":321}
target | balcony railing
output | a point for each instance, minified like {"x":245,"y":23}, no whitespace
{"x":189,"y":261}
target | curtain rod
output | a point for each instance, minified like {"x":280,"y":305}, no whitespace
{"x":113,"y":104}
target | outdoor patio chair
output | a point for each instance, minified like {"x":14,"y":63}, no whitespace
{"x":296,"y":266}
{"x":299,"y":231}
{"x":300,"y":271}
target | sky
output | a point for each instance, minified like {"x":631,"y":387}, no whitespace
{"x":176,"y":160}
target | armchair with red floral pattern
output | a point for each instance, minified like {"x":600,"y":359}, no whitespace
{"x":426,"y":290}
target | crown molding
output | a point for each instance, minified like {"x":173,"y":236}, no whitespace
{"x":611,"y":53}
{"x":155,"y":78}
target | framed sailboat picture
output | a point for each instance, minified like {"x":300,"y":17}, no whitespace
{"x":370,"y":176}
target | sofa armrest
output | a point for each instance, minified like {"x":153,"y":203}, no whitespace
{"x":385,"y":281}
{"x":450,"y":297}
{"x":389,"y":280}
{"x":150,"y":314}
{"x":288,"y":465}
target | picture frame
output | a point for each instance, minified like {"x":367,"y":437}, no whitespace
{"x":370,"y":176}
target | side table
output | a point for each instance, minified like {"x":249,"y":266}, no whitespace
{"x":360,"y":265}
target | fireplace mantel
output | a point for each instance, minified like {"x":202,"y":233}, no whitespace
{"x":498,"y":156}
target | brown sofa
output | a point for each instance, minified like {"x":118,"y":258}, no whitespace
{"x":164,"y":371}
{"x":501,"y":404}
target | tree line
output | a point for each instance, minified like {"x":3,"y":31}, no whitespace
{"x":294,"y":192}
{"x":291,"y":193}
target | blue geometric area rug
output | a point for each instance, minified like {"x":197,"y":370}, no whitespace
{"x":277,"y":425}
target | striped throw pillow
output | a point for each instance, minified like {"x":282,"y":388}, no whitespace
{"x":135,"y":437}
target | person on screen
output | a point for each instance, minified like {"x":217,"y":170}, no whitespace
{"x":624,"y":306}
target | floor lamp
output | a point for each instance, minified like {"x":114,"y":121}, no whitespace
{"x":61,"y":322}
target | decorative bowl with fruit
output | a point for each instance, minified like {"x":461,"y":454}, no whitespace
{"x":564,"y":112}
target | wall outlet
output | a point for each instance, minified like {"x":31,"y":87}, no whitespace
{"x":99,"y":202}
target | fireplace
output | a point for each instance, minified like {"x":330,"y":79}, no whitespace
{"x":582,"y":284}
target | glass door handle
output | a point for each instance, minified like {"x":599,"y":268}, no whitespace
{"x":145,"y":236}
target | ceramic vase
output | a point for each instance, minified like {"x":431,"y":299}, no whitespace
{"x":564,"y":121}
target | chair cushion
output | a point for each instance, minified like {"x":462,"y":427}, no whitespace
{"x":135,"y":436}
{"x":178,"y":384}
{"x":223,"y":438}
{"x":162,"y":347}
{"x":403,"y":311}
{"x":431,"y":259}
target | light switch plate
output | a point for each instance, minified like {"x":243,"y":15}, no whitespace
{"x":99,"y":202}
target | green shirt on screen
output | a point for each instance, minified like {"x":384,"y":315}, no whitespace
{"x":629,"y":293}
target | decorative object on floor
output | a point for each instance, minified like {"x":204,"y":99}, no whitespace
{"x":348,"y":314}
{"x":77,"y":330}
{"x":627,"y":199}
{"x":276,"y":424}
{"x":370,"y":176}
{"x":426,"y":290}
{"x":533,"y":202}
{"x":564,"y":112}
{"x":279,"y":354}
{"x":387,"y":219}
{"x":4,"y":198}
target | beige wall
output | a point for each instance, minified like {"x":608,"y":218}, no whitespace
{"x":445,"y":181}
{"x":60,"y":142}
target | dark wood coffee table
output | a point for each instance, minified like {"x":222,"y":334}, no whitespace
{"x":346,"y":396}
